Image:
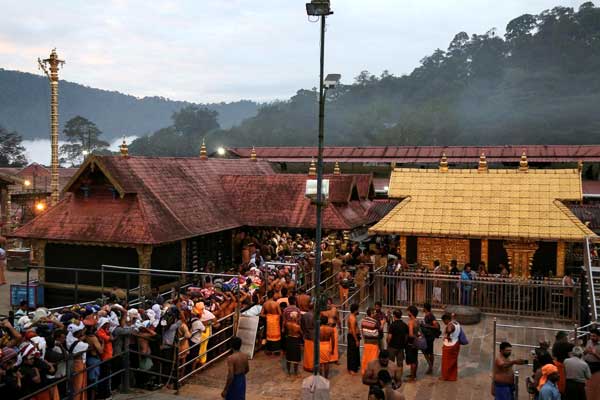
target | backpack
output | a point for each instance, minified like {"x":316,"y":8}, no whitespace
{"x":462,"y":337}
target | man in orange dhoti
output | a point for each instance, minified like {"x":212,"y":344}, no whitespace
{"x":344,"y":281}
{"x":307,"y":324}
{"x":325,"y":347}
{"x":333,"y":319}
{"x":369,"y":328}
{"x":272,"y":312}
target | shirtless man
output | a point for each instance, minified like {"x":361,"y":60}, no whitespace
{"x":386,"y":383}
{"x":326,"y":346}
{"x":333,"y":320}
{"x":353,"y":340}
{"x":272,"y":312}
{"x":382,"y":363}
{"x":504,"y":376}
{"x":293,"y":349}
{"x":303,"y":301}
{"x":237,"y":368}
{"x":343,"y":279}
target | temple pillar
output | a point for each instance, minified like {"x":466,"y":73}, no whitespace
{"x":560,"y":258}
{"x":144,"y":263}
{"x":184,"y":255}
{"x":484,"y":252}
{"x":520,"y":257}
{"x":402,"y":248}
{"x":38,"y":257}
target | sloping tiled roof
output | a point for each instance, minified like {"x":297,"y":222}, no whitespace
{"x":162,"y":199}
{"x":427,"y":154}
{"x":588,"y":213}
{"x":278,"y":200}
{"x":499,"y":203}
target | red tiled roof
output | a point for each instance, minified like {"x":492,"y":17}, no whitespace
{"x":591,"y":188}
{"x":278,"y":200}
{"x":427,"y":154}
{"x":380,"y":208}
{"x":364,"y":184}
{"x":164,"y":199}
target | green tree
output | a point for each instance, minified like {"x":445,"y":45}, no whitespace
{"x":11,"y":150}
{"x":183,"y":138}
{"x":195,"y":120}
{"x":83,"y":137}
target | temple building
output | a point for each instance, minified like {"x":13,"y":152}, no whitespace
{"x":177,"y":214}
{"x":517,"y":216}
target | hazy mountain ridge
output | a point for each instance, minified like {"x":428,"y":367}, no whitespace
{"x":24,"y":107}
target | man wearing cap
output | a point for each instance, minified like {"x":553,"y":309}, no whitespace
{"x":547,"y":386}
{"x":10,"y":375}
{"x":577,"y":373}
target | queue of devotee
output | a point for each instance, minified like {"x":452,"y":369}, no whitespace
{"x":168,"y":336}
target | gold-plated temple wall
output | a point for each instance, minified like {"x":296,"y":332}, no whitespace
{"x":430,"y":249}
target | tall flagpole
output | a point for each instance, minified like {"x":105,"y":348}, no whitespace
{"x":54,"y":63}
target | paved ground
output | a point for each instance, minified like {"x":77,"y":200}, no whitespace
{"x":267,"y":379}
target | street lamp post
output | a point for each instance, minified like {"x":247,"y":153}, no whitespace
{"x":320,"y":8}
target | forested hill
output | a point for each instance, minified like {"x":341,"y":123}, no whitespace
{"x":540,"y":83}
{"x":24,"y":108}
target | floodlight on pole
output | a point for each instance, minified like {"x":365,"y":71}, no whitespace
{"x":318,"y":8}
{"x":221,"y":151}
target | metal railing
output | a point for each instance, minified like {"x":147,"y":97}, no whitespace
{"x":590,"y":268}
{"x":67,"y":381}
{"x":522,"y":298}
{"x":523,"y":350}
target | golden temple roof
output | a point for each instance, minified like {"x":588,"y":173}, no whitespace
{"x":497,"y":203}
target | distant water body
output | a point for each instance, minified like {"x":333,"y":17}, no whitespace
{"x":39,"y":150}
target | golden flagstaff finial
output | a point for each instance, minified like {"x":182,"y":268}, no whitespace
{"x":336,"y":169}
{"x":253,"y":154}
{"x":483,"y":167}
{"x":124,"y":149}
{"x":444,"y":163}
{"x":523,"y":164}
{"x":54,"y":63}
{"x":312,"y":169}
{"x":203,"y":155}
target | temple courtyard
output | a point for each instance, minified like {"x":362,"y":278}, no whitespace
{"x":268,"y":380}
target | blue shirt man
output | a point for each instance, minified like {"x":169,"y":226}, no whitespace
{"x":549,"y":392}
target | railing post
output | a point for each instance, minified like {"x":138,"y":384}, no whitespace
{"x":102,"y":282}
{"x":27,"y":285}
{"x":576,"y":333}
{"x":68,"y":374}
{"x":125,"y":385}
{"x":493,"y":348}
{"x":128,"y":280}
{"x":516,"y":384}
{"x":176,"y":342}
{"x":76,"y":301}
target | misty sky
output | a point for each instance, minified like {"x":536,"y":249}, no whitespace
{"x":223,"y":50}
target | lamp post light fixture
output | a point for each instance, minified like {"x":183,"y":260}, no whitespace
{"x":40,"y":206}
{"x":221,"y":151}
{"x":320,"y":8}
